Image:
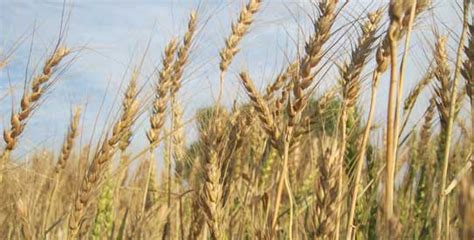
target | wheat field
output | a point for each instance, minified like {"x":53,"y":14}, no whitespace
{"x":304,"y":156}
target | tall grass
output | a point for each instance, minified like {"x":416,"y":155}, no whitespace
{"x":292,"y":160}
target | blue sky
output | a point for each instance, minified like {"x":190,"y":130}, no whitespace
{"x":110,"y":36}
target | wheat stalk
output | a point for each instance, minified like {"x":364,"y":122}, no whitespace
{"x":64,"y":156}
{"x":178,"y":67}
{"x":29,"y":101}
{"x":468,"y":74}
{"x":451,"y":114}
{"x":183,"y":54}
{"x":157,"y":117}
{"x":313,"y":56}
{"x":239,"y":29}
{"x":313,"y":48}
{"x":211,"y":196}
{"x":100,"y":161}
{"x":262,"y":109}
{"x":398,"y":11}
{"x":350,"y":75}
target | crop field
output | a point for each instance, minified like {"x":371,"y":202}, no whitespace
{"x":317,"y":119}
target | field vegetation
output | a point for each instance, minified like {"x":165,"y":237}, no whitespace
{"x":292,"y":160}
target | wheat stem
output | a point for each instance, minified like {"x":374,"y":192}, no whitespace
{"x":452,"y":109}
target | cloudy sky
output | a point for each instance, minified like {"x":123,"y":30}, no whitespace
{"x":108,"y":37}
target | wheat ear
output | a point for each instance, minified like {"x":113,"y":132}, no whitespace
{"x":93,"y":176}
{"x":29,"y":101}
{"x":178,"y":69}
{"x":129,"y":105}
{"x":157,"y":117}
{"x":239,"y":29}
{"x":326,"y":197}
{"x":183,"y":54}
{"x":313,"y":56}
{"x":263,"y":111}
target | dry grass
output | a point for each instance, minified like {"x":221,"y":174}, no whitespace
{"x":294,"y":161}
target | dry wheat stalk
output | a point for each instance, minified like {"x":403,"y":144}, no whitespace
{"x":61,"y":164}
{"x":452,"y":112}
{"x":68,"y":141}
{"x":93,"y":176}
{"x":398,"y":10}
{"x":129,"y":106}
{"x":176,"y":112}
{"x":88,"y":186}
{"x":314,"y":54}
{"x":157,"y":118}
{"x":183,"y":54}
{"x":351,"y":82}
{"x":352,"y":69}
{"x":468,"y":74}
{"x":262,"y":109}
{"x":111,"y":189}
{"x":239,"y":29}
{"x":406,"y":17}
{"x":29,"y":101}
{"x":314,"y":47}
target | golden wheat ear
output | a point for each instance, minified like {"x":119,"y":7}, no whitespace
{"x":239,"y":29}
{"x":157,"y":118}
{"x":30,"y":100}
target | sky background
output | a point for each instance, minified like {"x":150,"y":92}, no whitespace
{"x":109,"y":37}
